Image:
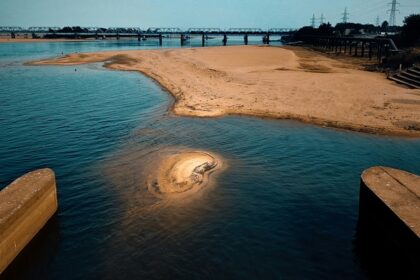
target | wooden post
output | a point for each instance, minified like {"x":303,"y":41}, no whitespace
{"x":379,"y":53}
{"x":363,"y":49}
{"x":355,"y":48}
{"x":370,"y":50}
{"x":350,"y":46}
{"x":345,"y":46}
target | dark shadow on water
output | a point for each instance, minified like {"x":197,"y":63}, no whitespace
{"x":34,"y":260}
{"x":383,"y":245}
{"x":378,"y":257}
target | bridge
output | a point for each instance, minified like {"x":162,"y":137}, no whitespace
{"x":142,"y":34}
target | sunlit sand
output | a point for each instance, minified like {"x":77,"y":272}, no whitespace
{"x":285,"y":83}
{"x":182,"y":172}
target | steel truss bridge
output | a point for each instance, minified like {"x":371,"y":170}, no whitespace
{"x":141,"y":34}
{"x":151,"y":30}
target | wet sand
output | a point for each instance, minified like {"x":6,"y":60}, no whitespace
{"x":283,"y":83}
{"x":184,"y":172}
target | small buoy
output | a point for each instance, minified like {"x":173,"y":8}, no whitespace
{"x":75,"y":69}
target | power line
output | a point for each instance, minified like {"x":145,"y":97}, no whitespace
{"x":392,"y":12}
{"x":345,"y":17}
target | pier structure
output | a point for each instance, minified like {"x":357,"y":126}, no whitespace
{"x":378,"y":48}
{"x":158,"y":33}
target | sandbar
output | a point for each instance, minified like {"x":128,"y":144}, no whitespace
{"x":275,"y":82}
{"x":182,"y":172}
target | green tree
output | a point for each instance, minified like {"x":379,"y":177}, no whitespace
{"x":384,"y":26}
{"x":410,"y":33}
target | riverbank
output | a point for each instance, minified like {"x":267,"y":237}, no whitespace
{"x":40,"y":40}
{"x":284,"y":83}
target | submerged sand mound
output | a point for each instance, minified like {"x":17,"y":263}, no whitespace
{"x":183,"y":172}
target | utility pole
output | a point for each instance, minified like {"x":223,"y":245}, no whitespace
{"x":345,"y":17}
{"x":392,"y":12}
{"x":313,"y":21}
{"x":321,"y":19}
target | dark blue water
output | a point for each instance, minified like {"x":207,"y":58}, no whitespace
{"x":286,"y":207}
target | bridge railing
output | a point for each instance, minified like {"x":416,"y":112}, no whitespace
{"x":11,"y":29}
{"x":164,"y":30}
{"x":204,"y":30}
{"x":42,"y":28}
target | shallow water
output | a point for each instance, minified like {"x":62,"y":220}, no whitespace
{"x":285,"y":208}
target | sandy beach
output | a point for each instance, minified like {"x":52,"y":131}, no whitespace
{"x":274,"y":82}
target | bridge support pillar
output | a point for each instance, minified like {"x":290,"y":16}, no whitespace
{"x":183,"y":39}
{"x":118,"y":36}
{"x":13,"y":35}
{"x":203,"y":39}
{"x":160,"y":39}
{"x":266,"y":39}
{"x":225,"y":40}
{"x":138,"y":37}
{"x":246,"y":39}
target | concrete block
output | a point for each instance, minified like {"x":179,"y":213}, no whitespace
{"x":26,"y":205}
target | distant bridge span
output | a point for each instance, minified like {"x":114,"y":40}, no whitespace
{"x":151,"y":30}
{"x":141,"y":34}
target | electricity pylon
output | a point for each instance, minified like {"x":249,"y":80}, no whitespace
{"x":345,"y":17}
{"x":313,"y":21}
{"x":392,"y":12}
{"x":322,"y":19}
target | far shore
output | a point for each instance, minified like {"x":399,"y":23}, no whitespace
{"x":275,"y":82}
{"x":30,"y":40}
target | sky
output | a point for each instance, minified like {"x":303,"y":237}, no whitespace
{"x":194,"y":13}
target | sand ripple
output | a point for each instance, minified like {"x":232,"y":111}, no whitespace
{"x":182,"y":172}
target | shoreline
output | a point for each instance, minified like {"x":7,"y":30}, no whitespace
{"x":41,"y":40}
{"x":196,"y":77}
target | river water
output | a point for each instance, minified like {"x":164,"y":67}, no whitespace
{"x":285,"y":208}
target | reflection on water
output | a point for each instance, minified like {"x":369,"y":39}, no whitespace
{"x":287,"y":207}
